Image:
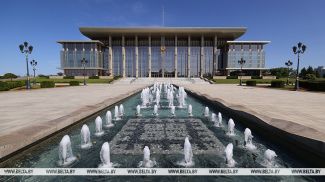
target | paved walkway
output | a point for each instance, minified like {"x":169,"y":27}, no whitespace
{"x":27,"y":116}
{"x":302,"y":113}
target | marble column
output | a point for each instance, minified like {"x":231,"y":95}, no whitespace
{"x":123,"y":56}
{"x":110,"y":56}
{"x":215,"y":55}
{"x":189,"y":57}
{"x":136,"y":57}
{"x":175,"y":56}
{"x":202,"y":60}
{"x":149,"y":56}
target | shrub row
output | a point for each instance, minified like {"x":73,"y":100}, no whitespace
{"x":256,"y":77}
{"x":232,"y":77}
{"x":74,"y":83}
{"x":250,"y":83}
{"x":4,"y":86}
{"x":313,"y":85}
{"x":44,"y":76}
{"x":94,"y":77}
{"x":277,"y":83}
{"x":16,"y":84}
{"x":68,"y":77}
{"x":47,"y":84}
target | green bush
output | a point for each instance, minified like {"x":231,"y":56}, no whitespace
{"x":43,"y":76}
{"x":15,"y":84}
{"x":232,"y":77}
{"x":256,"y":77}
{"x":310,"y":77}
{"x":74,"y":83}
{"x":94,"y":77}
{"x":250,"y":83}
{"x":68,"y":77}
{"x":277,"y":83}
{"x":4,"y":86}
{"x":313,"y":85}
{"x":117,"y":77}
{"x":47,"y":84}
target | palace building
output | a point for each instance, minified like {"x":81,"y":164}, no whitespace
{"x":161,"y":52}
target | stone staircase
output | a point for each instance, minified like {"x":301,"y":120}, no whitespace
{"x":146,"y":81}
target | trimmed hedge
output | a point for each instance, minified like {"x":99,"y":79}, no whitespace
{"x":47,"y":84}
{"x":256,"y":77}
{"x":4,"y":86}
{"x":232,"y":77}
{"x":94,"y":77}
{"x":44,"y":76}
{"x":74,"y":83}
{"x":277,"y":83}
{"x":16,"y":84}
{"x":313,"y":85}
{"x":68,"y":77}
{"x":250,"y":83}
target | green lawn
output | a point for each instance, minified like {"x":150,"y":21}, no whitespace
{"x":38,"y":80}
{"x":258,"y":81}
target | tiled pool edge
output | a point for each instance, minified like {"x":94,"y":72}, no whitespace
{"x":310,"y":150}
{"x":50,"y":129}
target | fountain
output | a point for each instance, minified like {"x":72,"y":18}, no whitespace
{"x":172,"y":111}
{"x":155,"y":110}
{"x":231,"y":126}
{"x":145,"y":97}
{"x":157,"y":97}
{"x":105,"y":156}
{"x":65,"y":152}
{"x":215,"y":120}
{"x":269,"y":156}
{"x":147,"y":163}
{"x":117,"y":114}
{"x":206,"y":112}
{"x":138,"y":113}
{"x":108,"y":123}
{"x":181,"y":97}
{"x":249,"y":139}
{"x":121,"y":113}
{"x":220,"y":118}
{"x":188,"y":154}
{"x":213,"y":117}
{"x":98,"y":128}
{"x":170,"y":97}
{"x":85,"y":137}
{"x":229,"y":154}
{"x":190,"y":110}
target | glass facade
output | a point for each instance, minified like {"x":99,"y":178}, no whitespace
{"x":253,"y":54}
{"x":73,"y":53}
{"x":162,"y":60}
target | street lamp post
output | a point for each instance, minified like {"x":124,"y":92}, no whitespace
{"x":84,"y":62}
{"x":288,"y":64}
{"x":25,"y":49}
{"x":241,"y":62}
{"x":33,"y":63}
{"x":299,"y":49}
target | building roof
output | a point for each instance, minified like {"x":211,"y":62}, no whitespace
{"x":249,"y":42}
{"x":99,"y":33}
{"x":79,"y":41}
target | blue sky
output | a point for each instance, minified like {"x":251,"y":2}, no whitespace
{"x":42,"y":23}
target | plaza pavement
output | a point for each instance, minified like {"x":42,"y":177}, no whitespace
{"x":27,"y":116}
{"x":299,"y":113}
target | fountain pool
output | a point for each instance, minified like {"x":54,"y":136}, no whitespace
{"x":156,"y":141}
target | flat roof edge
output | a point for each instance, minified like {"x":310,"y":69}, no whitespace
{"x":78,"y":41}
{"x":249,"y":41}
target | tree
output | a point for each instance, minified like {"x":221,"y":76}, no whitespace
{"x":60,"y":74}
{"x":309,"y":71}
{"x":9,"y":76}
{"x":280,"y":72}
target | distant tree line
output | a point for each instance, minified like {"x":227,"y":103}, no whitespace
{"x":308,"y":73}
